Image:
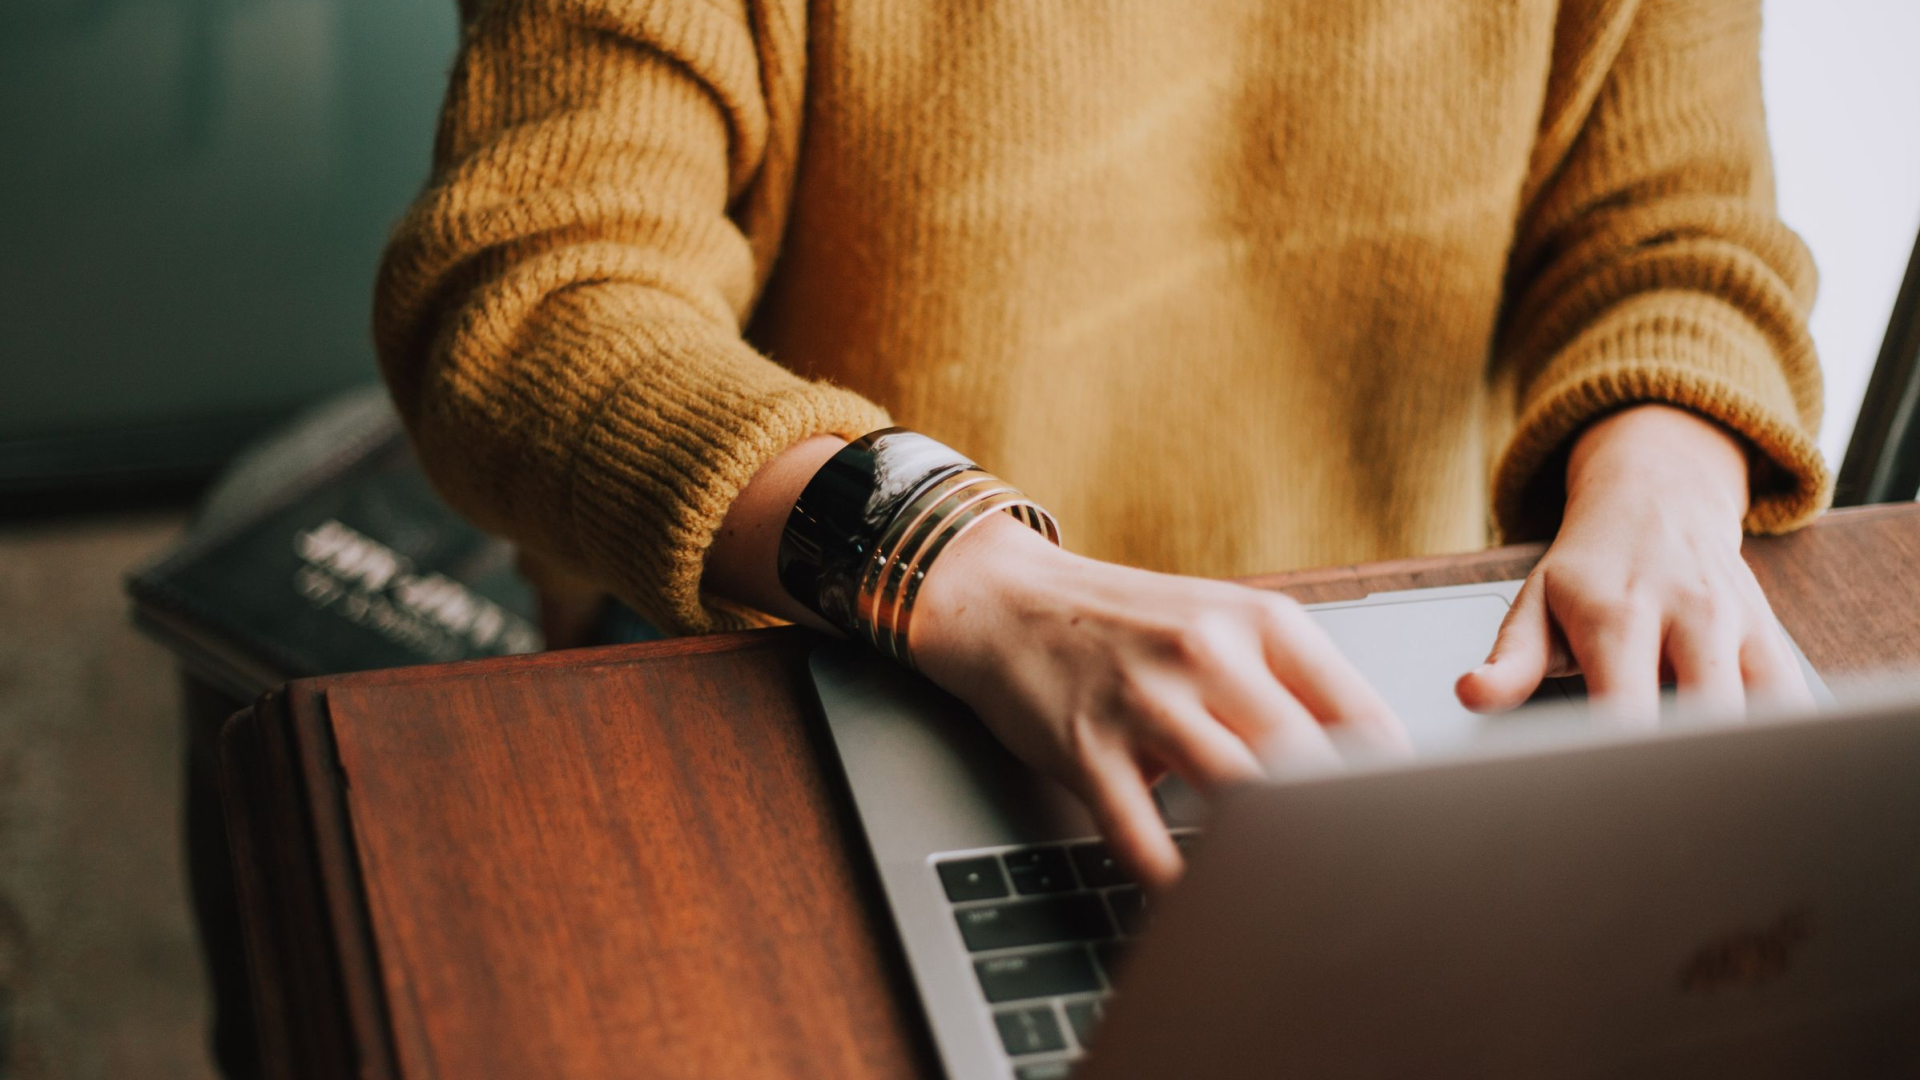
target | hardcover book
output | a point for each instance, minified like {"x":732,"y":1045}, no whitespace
{"x":326,"y":551}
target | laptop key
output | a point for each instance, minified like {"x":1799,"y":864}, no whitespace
{"x":1040,"y":870}
{"x":1082,"y":1016}
{"x":1044,"y":1070}
{"x":1098,"y":868}
{"x":1029,"y":1031}
{"x":1051,"y":921}
{"x":972,"y":879}
{"x":1032,"y":975}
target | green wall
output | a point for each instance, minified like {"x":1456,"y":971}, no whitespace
{"x":193,"y":197}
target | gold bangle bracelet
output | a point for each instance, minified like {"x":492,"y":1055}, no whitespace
{"x":896,"y":569}
{"x":961,"y":507}
{"x":889,"y":582}
{"x":879,"y":576}
{"x":961,"y":521}
{"x":901,"y":539}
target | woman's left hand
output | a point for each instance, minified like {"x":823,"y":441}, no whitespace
{"x":1644,"y":581}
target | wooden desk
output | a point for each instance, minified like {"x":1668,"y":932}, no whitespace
{"x":636,"y":860}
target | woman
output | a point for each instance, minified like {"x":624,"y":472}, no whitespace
{"x":1226,"y":288}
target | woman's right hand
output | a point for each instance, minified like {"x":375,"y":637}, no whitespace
{"x":1107,"y":677}
{"x":1103,"y":676}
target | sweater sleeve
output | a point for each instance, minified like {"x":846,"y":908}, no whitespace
{"x":1649,"y":264}
{"x":559,"y":314}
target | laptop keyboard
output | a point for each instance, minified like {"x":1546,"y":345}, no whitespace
{"x":1046,"y":927}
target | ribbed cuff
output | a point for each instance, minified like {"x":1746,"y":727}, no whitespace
{"x":1744,"y":390}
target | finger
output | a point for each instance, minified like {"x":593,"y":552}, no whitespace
{"x":1272,"y":723}
{"x":1202,"y":751}
{"x":1705,"y":657}
{"x":1123,"y":807}
{"x":1619,"y":653}
{"x":1313,"y":672}
{"x":1304,"y":747}
{"x":1772,"y":671}
{"x":1519,"y":658}
{"x":1312,"y":667}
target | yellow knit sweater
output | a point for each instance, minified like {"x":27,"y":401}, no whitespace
{"x":1230,"y":287}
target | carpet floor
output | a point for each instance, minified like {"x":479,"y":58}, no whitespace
{"x":99,"y":974}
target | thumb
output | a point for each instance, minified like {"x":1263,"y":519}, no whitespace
{"x":1518,"y":662}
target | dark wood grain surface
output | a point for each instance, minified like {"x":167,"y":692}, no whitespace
{"x":635,"y":861}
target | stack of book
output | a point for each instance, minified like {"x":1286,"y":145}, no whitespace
{"x":325,"y":550}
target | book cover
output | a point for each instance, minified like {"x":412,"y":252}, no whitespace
{"x":352,"y":565}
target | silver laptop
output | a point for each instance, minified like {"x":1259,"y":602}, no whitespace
{"x":1530,"y":896}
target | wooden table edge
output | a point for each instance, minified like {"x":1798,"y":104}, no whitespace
{"x":287,"y":736}
{"x":280,"y":779}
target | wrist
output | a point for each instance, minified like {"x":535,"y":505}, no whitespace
{"x":741,"y":563}
{"x":1660,"y":451}
{"x":867,"y":530}
{"x":973,"y":580}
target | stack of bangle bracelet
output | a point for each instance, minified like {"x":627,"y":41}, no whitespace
{"x":873,"y":520}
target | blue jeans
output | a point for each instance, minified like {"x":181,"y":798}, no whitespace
{"x":621,"y":625}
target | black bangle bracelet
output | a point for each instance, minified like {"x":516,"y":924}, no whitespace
{"x":846,"y":507}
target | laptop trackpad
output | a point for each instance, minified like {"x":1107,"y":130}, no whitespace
{"x":1411,"y":649}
